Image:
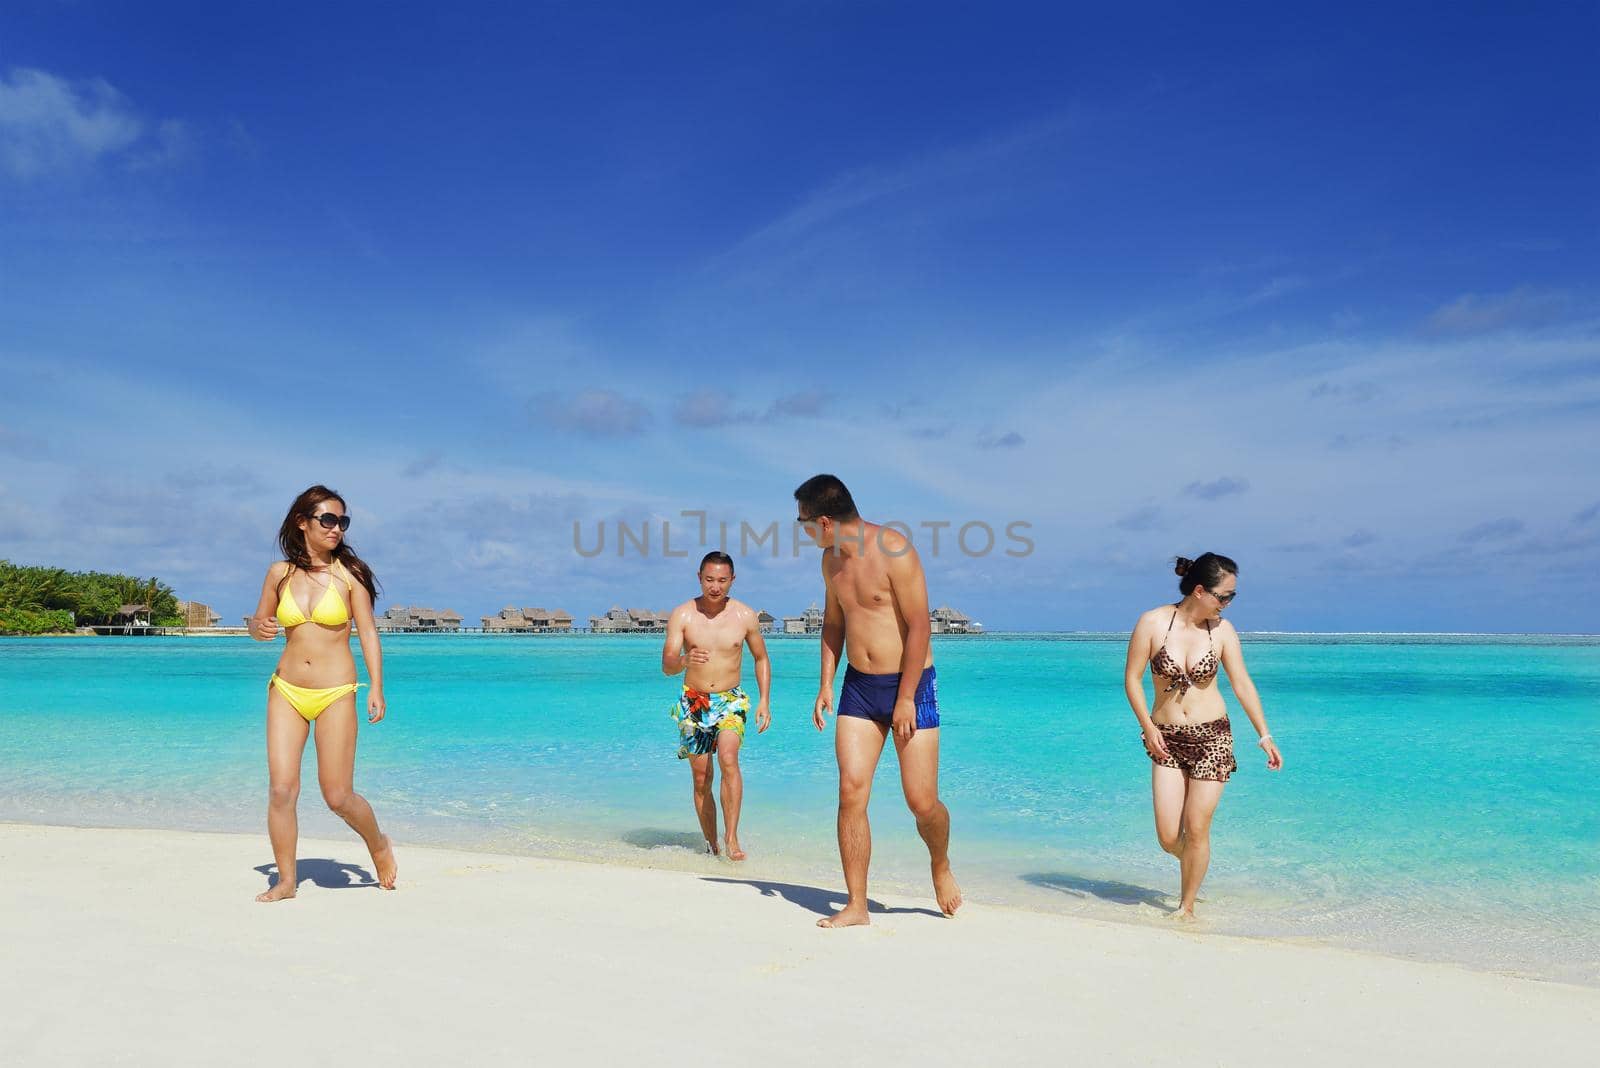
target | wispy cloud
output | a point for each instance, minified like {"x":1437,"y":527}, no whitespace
{"x":1218,"y":488}
{"x":855,"y":193}
{"x":1589,"y":514}
{"x":1493,"y":530}
{"x":1358,"y":539}
{"x":425,"y":464}
{"x":708,"y":408}
{"x":1475,"y":313}
{"x":1275,"y":288}
{"x":805,"y":403}
{"x":1351,"y":392}
{"x":1009,"y":440}
{"x":596,"y":412}
{"x":51,"y":125}
{"x":21,"y":445}
{"x":1147,"y":517}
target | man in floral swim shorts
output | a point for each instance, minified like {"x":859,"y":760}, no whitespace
{"x":705,"y":640}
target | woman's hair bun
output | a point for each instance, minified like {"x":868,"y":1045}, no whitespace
{"x":1181,"y":566}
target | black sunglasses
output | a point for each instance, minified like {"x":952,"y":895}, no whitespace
{"x":329,"y":521}
{"x":808,"y":519}
{"x":1225,"y":598}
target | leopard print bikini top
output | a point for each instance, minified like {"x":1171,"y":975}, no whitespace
{"x":1180,"y":680}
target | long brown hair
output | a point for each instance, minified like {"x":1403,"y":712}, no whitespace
{"x":293,"y":542}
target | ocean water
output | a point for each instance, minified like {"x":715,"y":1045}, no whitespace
{"x":1440,"y":797}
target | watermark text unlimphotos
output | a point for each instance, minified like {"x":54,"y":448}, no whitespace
{"x":696,"y":533}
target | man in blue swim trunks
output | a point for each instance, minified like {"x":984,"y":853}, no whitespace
{"x":877,"y":602}
{"x":705,"y":640}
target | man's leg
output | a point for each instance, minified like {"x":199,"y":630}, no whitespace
{"x":919,"y":778}
{"x":705,"y":806}
{"x":857,"y":742}
{"x":728,"y":743}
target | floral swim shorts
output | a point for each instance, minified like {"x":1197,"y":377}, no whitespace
{"x":702,"y":715}
{"x":1199,"y":750}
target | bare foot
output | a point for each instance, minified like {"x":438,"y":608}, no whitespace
{"x":946,"y":891}
{"x":849,"y":916}
{"x":1184,"y":915}
{"x":283,"y":891}
{"x":711,"y":848}
{"x":383,"y":860}
{"x":734,"y":852}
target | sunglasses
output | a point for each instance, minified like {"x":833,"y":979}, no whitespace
{"x":329,"y":520}
{"x":1224,"y":598}
{"x":804,"y":519}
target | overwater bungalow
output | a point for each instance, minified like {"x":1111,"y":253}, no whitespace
{"x":417,"y":618}
{"x":946,"y":620}
{"x":197,"y":615}
{"x":511,"y":620}
{"x":629,"y":621}
{"x":807,"y":622}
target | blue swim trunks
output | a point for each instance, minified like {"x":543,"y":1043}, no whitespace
{"x":873,"y":696}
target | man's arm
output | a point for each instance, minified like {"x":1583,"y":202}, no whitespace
{"x":832,"y":632}
{"x":909,"y":586}
{"x":673,"y":656}
{"x":832,"y":649}
{"x":758,"y":649}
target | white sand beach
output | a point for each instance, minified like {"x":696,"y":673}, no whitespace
{"x":145,"y":947}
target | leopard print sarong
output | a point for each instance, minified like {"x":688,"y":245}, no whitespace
{"x":1199,"y":750}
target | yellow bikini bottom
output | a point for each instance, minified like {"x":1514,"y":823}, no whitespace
{"x":310,"y":702}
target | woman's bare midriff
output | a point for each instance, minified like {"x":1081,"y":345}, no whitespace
{"x":318,"y":659}
{"x":1201,"y":704}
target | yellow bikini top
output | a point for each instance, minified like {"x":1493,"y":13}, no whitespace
{"x":330,"y":610}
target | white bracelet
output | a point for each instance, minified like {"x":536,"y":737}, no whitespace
{"x":1264,"y":739}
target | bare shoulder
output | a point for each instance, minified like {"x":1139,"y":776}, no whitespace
{"x":739,"y":608}
{"x":278,"y":569}
{"x":1227,"y":632}
{"x":684,"y":610}
{"x":1152,"y":617}
{"x":896,"y":546}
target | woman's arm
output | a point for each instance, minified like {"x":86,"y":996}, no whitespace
{"x":263,"y":624}
{"x":371,"y":651}
{"x":1133,"y":685}
{"x":1245,"y":691}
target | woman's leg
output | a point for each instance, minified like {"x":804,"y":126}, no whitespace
{"x":336,"y":770}
{"x":1167,"y":788}
{"x":1198,"y":808}
{"x":286,"y":744}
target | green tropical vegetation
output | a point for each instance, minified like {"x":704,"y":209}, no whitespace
{"x":45,"y":600}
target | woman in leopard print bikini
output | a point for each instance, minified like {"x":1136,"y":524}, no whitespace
{"x":1187,"y":734}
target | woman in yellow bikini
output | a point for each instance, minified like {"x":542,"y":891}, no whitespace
{"x":312,"y":594}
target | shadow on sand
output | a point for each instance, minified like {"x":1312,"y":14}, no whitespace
{"x":655,"y":837}
{"x":328,"y":874}
{"x":816,"y":900}
{"x":1104,"y":889}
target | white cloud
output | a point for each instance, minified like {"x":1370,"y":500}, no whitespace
{"x":51,"y":125}
{"x":1475,"y":313}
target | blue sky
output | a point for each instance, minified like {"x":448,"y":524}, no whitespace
{"x":1316,"y":291}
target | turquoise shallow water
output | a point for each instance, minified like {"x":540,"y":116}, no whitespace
{"x":1439,"y":798}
